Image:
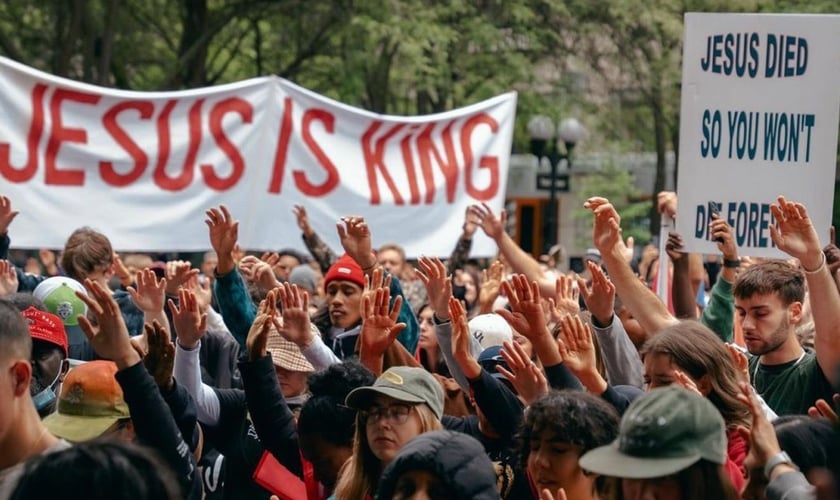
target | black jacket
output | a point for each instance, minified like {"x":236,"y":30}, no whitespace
{"x":455,"y":459}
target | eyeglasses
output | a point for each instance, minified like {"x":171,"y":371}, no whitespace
{"x":397,"y":414}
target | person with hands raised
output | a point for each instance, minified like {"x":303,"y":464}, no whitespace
{"x":521,"y":261}
{"x":620,"y":357}
{"x":355,"y":237}
{"x":769,"y":301}
{"x":379,"y":325}
{"x":523,"y":374}
{"x":320,"y":251}
{"x":153,"y":422}
{"x":149,"y":295}
{"x":527,"y":317}
{"x":642,"y":303}
{"x":783,"y":476}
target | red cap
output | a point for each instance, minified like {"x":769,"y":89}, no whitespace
{"x":345,"y":269}
{"x":47,"y":327}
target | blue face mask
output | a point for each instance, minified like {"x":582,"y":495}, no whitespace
{"x":46,"y":397}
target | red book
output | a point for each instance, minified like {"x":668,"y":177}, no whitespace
{"x":273,"y":476}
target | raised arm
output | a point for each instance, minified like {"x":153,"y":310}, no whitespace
{"x":461,"y":252}
{"x":355,"y":237}
{"x":320,"y":251}
{"x":521,"y":261}
{"x":622,"y":361}
{"x":149,"y":295}
{"x":645,"y":306}
{"x":794,"y":234}
{"x":380,"y":325}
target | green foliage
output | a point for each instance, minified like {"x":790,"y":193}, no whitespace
{"x":616,"y":184}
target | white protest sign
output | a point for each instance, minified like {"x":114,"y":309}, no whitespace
{"x":143,"y":167}
{"x":759,"y":118}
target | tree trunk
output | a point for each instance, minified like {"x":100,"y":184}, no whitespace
{"x":106,"y":45}
{"x":193,"y":46}
{"x":661,"y":138}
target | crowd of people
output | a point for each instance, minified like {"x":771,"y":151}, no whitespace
{"x":355,"y":374}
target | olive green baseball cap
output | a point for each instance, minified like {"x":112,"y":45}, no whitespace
{"x":662,"y":432}
{"x":403,"y":383}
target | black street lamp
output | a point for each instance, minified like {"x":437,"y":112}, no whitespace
{"x":544,"y":144}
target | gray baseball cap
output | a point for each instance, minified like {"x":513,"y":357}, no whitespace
{"x":662,"y":432}
{"x":403,"y":383}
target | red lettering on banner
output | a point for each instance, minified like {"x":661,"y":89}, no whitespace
{"x":449,"y":166}
{"x":164,"y":145}
{"x":408,"y":160}
{"x":489,"y":162}
{"x":331,"y":182}
{"x":374,"y":161}
{"x":232,"y":105}
{"x":28,"y":170}
{"x":181,"y":181}
{"x":106,"y":168}
{"x":59,"y":133}
{"x":286,"y":129}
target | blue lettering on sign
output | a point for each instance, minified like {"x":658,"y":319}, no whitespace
{"x":732,"y":54}
{"x":750,"y":223}
{"x":785,"y":56}
{"x":782,"y":133}
{"x":712,"y":126}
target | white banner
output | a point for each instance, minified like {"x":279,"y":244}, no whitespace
{"x":759,"y":118}
{"x":142,"y":167}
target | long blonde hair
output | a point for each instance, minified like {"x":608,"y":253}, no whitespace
{"x":360,"y":474}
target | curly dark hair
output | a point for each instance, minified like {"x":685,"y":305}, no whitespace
{"x":574,"y":417}
{"x":118,"y":470}
{"x":324,"y":413}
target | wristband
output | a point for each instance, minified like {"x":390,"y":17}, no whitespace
{"x":819,"y":267}
{"x":732,"y":263}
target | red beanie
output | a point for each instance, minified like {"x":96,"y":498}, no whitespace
{"x":345,"y":269}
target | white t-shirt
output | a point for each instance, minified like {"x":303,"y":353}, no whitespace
{"x":9,"y":477}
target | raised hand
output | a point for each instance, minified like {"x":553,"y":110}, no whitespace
{"x":762,"y":435}
{"x":294,"y":303}
{"x":470,"y":224}
{"x":461,"y":340}
{"x":8,"y":278}
{"x":379,"y":321}
{"x":606,"y":231}
{"x":493,"y":226}
{"x":149,"y":294}
{"x":822,"y":409}
{"x":739,"y":359}
{"x":302,"y":220}
{"x":258,"y":334}
{"x":48,"y":260}
{"x":189,"y":320}
{"x":160,"y":359}
{"x":578,"y":353}
{"x":600,"y":299}
{"x":565,"y":302}
{"x":666,"y":203}
{"x":438,"y":284}
{"x":526,"y":377}
{"x":224,"y":232}
{"x":526,"y":315}
{"x":681,"y":378}
{"x":374,"y":282}
{"x":491,"y":285}
{"x":259,"y":272}
{"x":110,"y":337}
{"x":354,"y":234}
{"x":203,"y":292}
{"x":178,"y":272}
{"x":7,"y":215}
{"x":794,"y":233}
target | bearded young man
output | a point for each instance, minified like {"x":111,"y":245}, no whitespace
{"x":768,"y":302}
